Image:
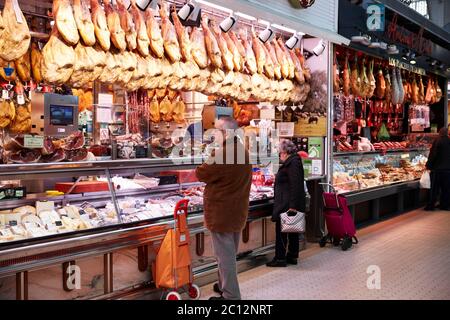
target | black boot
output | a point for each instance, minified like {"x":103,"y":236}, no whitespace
{"x":276,"y":263}
{"x":216,"y":288}
{"x":292,"y":261}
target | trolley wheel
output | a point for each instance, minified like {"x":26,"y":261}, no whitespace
{"x":323,"y":241}
{"x":346,"y":243}
{"x":173,"y":295}
{"x":336,"y":241}
{"x":194,"y":292}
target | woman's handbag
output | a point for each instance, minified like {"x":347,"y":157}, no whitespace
{"x":293,"y":223}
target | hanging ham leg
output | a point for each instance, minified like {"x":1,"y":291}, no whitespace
{"x":115,"y":29}
{"x":83,"y":19}
{"x":65,"y":21}
{"x":183,"y":39}
{"x":100,"y":25}
{"x":212,"y":47}
{"x":250,"y":59}
{"x":169,"y":35}
{"x":238,"y":66}
{"x":276,"y":64}
{"x":198,"y":48}
{"x":154,"y":34}
{"x":227,"y":56}
{"x":127,"y":24}
{"x":143,"y":42}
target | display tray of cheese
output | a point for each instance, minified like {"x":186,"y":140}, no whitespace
{"x":47,"y":219}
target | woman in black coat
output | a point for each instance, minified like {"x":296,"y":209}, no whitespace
{"x":439,"y":166}
{"x":289,"y":195}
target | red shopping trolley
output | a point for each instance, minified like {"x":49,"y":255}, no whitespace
{"x":339,"y":221}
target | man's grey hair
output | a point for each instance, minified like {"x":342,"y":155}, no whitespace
{"x":226,"y":123}
{"x":287,"y":146}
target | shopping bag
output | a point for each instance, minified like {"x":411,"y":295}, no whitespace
{"x":425,"y":181}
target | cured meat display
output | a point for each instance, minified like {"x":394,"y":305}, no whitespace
{"x":380,"y":85}
{"x":15,"y":36}
{"x":116,"y":45}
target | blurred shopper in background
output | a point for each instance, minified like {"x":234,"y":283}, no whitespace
{"x":289,"y":196}
{"x":439,"y":166}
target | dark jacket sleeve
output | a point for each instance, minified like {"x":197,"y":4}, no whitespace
{"x":296,"y":185}
{"x":432,"y":156}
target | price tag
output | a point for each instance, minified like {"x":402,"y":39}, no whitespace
{"x":5,"y":94}
{"x":2,"y":195}
{"x":58,"y":223}
{"x":20,"y":99}
{"x":17,"y":11}
{"x":33,"y":142}
{"x":12,"y":223}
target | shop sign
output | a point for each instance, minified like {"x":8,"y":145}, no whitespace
{"x":410,"y":39}
{"x":375,"y":17}
{"x":315,"y":147}
{"x":403,"y":65}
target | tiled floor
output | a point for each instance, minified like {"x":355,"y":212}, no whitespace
{"x":412,"y":252}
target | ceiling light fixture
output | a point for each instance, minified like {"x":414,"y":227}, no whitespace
{"x":320,"y":48}
{"x":266,"y":34}
{"x":186,"y":11}
{"x":228,"y":23}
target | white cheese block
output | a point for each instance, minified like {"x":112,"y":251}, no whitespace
{"x":33,"y":220}
{"x":25,"y":209}
{"x":19,"y":231}
{"x":45,"y":206}
{"x":72,"y":212}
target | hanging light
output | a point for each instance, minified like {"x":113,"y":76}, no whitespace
{"x":187,"y":10}
{"x":292,"y":41}
{"x":266,"y":34}
{"x":228,"y":23}
{"x":320,"y":48}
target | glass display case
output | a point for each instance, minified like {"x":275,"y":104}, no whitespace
{"x":47,"y":202}
{"x":357,"y":171}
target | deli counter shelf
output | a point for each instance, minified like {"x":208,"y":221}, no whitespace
{"x":356,"y":153}
{"x":358,"y":196}
{"x":98,"y":167}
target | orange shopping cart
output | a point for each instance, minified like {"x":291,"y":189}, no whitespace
{"x":173,"y":265}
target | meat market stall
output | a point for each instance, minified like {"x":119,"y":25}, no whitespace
{"x":388,"y":106}
{"x":97,"y":99}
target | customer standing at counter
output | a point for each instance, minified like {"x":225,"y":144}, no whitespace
{"x":439,"y":166}
{"x":226,"y":203}
{"x":289,"y":196}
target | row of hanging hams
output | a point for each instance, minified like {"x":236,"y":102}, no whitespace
{"x":166,"y":105}
{"x":110,"y":44}
{"x":395,"y":87}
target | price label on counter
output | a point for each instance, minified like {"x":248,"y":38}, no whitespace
{"x":5,"y":94}
{"x":405,"y":156}
{"x":20,"y":99}
{"x":33,"y":142}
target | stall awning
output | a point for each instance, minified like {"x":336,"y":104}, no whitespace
{"x":278,"y":12}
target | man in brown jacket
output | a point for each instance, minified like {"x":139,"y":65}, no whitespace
{"x":228,"y":180}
